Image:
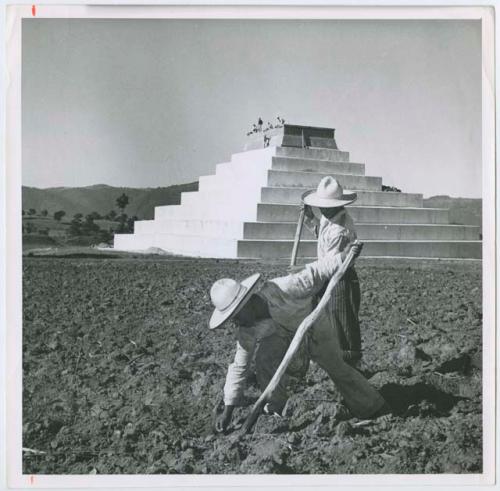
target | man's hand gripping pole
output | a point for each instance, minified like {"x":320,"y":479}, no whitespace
{"x":298,"y":230}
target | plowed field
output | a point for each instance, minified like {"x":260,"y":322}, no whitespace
{"x":121,"y":374}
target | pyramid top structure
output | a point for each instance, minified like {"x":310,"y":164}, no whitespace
{"x":292,"y":135}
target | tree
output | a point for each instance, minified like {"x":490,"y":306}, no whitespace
{"x":30,"y":228}
{"x":88,"y":226}
{"x":59,"y":214}
{"x":75,"y":226}
{"x":122,"y":223}
{"x":122,"y":202}
{"x":44,"y":213}
{"x":94,"y":215}
{"x":130,"y":224}
{"x":111,"y":215}
{"x":24,"y":213}
{"x":32,"y":211}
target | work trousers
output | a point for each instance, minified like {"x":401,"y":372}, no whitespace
{"x":360,"y":397}
{"x":343,"y":314}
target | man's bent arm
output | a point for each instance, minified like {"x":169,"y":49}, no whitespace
{"x":237,"y":371}
{"x":311,"y":279}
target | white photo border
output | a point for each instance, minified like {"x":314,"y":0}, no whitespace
{"x":12,"y":245}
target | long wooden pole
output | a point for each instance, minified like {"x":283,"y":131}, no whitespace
{"x":298,"y":232}
{"x":294,"y":345}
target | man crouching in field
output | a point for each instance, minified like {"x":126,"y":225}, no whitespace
{"x":267,"y":318}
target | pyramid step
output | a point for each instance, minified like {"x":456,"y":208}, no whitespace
{"x":260,"y":249}
{"x":227,"y":175}
{"x":292,"y":196}
{"x":313,"y":153}
{"x":366,"y":231}
{"x":199,"y":207}
{"x":321,"y":166}
{"x":311,"y":180}
{"x":281,"y":249}
{"x":226,"y":229}
{"x":360,"y":214}
{"x":228,"y":196}
{"x":203,"y":228}
{"x":267,"y":212}
{"x":178,"y":244}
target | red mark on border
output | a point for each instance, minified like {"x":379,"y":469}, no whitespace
{"x":33,"y":10}
{"x":32,"y":478}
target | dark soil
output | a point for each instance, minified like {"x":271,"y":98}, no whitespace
{"x":121,"y":373}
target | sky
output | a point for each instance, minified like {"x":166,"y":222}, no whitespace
{"x":148,"y":103}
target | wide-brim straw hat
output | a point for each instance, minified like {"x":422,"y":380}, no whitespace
{"x":329,"y":194}
{"x":229,"y":296}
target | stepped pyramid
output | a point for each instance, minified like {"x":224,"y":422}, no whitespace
{"x":249,"y":208}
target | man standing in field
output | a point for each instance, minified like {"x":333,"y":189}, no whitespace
{"x":335,"y":231}
{"x":267,"y":318}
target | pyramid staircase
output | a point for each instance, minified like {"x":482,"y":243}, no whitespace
{"x":249,"y":208}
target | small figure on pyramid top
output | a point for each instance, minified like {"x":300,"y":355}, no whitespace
{"x":259,"y":127}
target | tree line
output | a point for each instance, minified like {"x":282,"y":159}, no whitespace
{"x":81,"y":225}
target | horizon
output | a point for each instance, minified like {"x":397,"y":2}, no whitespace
{"x":152,"y":101}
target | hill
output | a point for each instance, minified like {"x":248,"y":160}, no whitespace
{"x":102,"y":198}
{"x":463,"y":211}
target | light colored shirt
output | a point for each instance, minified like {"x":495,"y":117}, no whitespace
{"x":289,"y":299}
{"x":333,"y":234}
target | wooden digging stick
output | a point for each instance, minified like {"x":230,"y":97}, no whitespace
{"x":298,"y":233}
{"x":294,"y":345}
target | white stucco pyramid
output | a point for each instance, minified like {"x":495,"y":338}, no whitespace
{"x":249,"y":207}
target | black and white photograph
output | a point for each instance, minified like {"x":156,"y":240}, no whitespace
{"x":253,"y":246}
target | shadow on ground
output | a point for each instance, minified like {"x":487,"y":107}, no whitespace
{"x":401,"y":398}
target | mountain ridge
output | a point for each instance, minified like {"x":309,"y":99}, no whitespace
{"x":102,"y":198}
